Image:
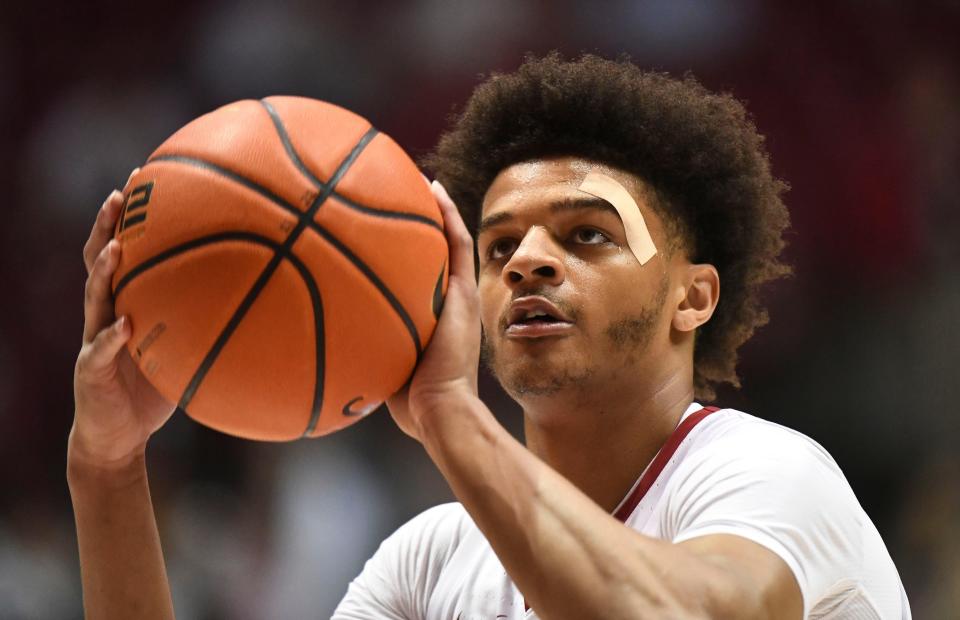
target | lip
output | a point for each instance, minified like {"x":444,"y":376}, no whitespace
{"x":520,"y":307}
{"x":538,"y":330}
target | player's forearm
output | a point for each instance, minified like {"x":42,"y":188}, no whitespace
{"x":121,"y":563}
{"x":569,"y":557}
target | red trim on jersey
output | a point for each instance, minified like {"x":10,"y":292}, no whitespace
{"x":660,"y":461}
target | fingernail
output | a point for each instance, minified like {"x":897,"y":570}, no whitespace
{"x":120,"y":324}
{"x":115,"y":195}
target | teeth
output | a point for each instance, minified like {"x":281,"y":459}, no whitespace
{"x":534,"y":313}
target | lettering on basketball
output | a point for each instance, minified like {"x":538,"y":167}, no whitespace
{"x":351,"y":413}
{"x":151,"y":367}
{"x":135,"y":206}
{"x":150,"y":338}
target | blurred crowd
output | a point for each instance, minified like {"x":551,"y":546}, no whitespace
{"x":858,"y":101}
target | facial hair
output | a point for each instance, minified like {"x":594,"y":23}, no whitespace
{"x":634,"y":332}
{"x":528,"y":382}
{"x":626,"y":335}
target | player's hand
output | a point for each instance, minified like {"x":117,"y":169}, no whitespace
{"x":116,"y":409}
{"x":449,"y":366}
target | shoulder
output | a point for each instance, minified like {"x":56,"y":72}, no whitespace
{"x":761,"y":467}
{"x":781,"y":489}
{"x":735,"y":439}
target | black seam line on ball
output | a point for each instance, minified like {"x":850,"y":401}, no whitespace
{"x":230,"y":174}
{"x":396,"y":215}
{"x":311,"y":284}
{"x":266,"y":193}
{"x":264,"y":277}
{"x":372,"y":276}
{"x":287,"y":144}
{"x":323,"y":232}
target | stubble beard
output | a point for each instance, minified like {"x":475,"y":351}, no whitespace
{"x":528,"y":377}
{"x":624,"y":338}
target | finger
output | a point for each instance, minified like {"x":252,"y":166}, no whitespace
{"x":103,"y":350}
{"x":458,"y":237}
{"x":98,"y":299}
{"x":102,"y":228}
{"x":130,"y":178}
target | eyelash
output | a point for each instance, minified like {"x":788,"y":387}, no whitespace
{"x":493,"y":246}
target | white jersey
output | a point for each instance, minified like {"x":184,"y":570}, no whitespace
{"x":720,"y":472}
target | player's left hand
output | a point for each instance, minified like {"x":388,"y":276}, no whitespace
{"x":448,"y":369}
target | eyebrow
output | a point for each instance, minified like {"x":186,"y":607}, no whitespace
{"x":561,"y":206}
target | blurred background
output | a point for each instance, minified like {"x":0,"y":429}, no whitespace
{"x":859,"y":102}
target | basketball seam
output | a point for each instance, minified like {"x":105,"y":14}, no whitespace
{"x":394,"y":215}
{"x":287,"y":143}
{"x":307,"y":277}
{"x":230,"y":174}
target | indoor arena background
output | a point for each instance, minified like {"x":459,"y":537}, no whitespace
{"x":858,"y":100}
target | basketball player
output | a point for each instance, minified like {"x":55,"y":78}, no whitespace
{"x":608,"y":205}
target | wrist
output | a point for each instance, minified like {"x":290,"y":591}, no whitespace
{"x":453,"y":419}
{"x":85,"y":466}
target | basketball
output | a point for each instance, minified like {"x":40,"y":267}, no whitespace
{"x":283,"y":266}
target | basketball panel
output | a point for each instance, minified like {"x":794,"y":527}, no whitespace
{"x":409,"y":257}
{"x":186,"y":203}
{"x":321,"y":133}
{"x":242,"y":138}
{"x":384,"y":177}
{"x":262,"y":384}
{"x":179,"y":307}
{"x":369,"y":352}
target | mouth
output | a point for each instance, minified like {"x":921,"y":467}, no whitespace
{"x":536,"y":317}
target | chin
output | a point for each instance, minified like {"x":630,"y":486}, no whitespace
{"x":533,"y":378}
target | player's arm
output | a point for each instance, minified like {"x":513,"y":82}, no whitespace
{"x":569,"y":557}
{"x":121,"y":564}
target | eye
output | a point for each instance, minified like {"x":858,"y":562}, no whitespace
{"x":501,"y":248}
{"x":589,"y":236}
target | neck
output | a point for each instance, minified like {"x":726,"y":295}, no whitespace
{"x":603,"y":444}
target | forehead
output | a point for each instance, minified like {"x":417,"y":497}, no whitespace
{"x":546,"y":181}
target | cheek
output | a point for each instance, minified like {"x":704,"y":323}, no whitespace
{"x":617,"y":294}
{"x":489,"y":294}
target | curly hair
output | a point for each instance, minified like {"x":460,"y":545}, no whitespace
{"x":698,"y":151}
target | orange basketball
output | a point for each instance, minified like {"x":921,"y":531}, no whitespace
{"x":283,"y":267}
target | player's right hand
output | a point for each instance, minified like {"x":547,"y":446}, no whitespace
{"x":116,"y":408}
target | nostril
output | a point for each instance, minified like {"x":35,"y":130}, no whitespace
{"x":515,"y":277}
{"x":545,"y":271}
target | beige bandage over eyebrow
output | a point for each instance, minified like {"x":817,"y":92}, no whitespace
{"x":638,"y":237}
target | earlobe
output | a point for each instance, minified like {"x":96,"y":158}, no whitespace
{"x":702,"y":294}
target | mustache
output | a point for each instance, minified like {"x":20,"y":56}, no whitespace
{"x":562,"y":305}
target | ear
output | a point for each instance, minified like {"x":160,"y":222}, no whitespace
{"x":702,"y":287}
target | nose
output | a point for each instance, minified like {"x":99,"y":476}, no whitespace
{"x":536,"y":259}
